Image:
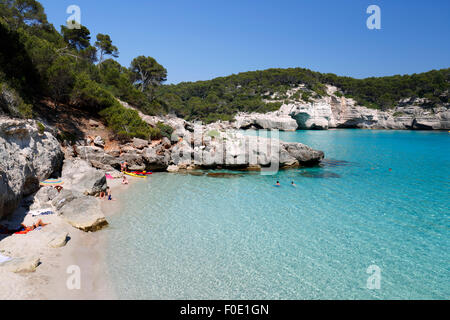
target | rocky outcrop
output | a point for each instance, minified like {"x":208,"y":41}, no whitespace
{"x":268,"y":121}
{"x":42,"y":199}
{"x":140,"y":143}
{"x":27,"y":155}
{"x":332,"y":111}
{"x":218,"y":145}
{"x":232,"y":150}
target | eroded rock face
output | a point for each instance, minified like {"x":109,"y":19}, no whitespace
{"x":269,"y":121}
{"x":26,"y":158}
{"x":339,"y":112}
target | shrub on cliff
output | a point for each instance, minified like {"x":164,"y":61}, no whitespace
{"x":12,"y":104}
{"x":125,"y":122}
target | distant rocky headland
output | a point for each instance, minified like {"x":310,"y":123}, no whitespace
{"x":334,"y":111}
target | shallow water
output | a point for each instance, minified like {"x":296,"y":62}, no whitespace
{"x":199,"y":237}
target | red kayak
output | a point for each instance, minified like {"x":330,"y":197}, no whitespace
{"x":141,"y":173}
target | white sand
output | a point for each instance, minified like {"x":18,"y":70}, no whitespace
{"x":49,"y":281}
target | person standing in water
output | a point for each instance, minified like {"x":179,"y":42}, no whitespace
{"x":108,"y":194}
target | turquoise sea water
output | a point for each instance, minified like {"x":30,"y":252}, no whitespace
{"x":198,"y":237}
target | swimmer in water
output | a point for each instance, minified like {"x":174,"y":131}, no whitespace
{"x":278,"y":183}
{"x":293,"y":184}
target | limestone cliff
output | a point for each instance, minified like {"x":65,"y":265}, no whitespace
{"x":27,"y":155}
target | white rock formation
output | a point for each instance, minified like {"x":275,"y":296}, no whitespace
{"x":340,"y":112}
{"x":27,"y":156}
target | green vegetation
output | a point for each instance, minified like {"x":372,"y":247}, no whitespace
{"x":213,"y":134}
{"x":41,"y":128}
{"x":38,"y":62}
{"x":398,"y":114}
{"x":166,"y":131}
{"x":385,"y":92}
{"x":222,"y":98}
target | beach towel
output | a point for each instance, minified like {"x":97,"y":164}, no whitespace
{"x":42,"y":212}
{"x":108,"y":176}
{"x":4,"y":258}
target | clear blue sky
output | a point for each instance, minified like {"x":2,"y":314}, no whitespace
{"x":203,"y":39}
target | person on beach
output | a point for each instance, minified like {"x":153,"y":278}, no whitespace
{"x":38,"y":224}
{"x":108,"y":194}
{"x":102,"y":195}
{"x":124,"y":166}
{"x":124,"y":180}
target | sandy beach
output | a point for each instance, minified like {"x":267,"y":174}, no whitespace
{"x":86,"y":250}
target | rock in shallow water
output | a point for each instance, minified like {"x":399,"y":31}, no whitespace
{"x":320,"y":175}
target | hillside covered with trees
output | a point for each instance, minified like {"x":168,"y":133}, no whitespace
{"x":263,"y":91}
{"x":68,"y":68}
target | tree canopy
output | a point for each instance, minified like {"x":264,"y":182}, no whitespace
{"x":105,"y":46}
{"x":78,"y":39}
{"x":147,"y":73}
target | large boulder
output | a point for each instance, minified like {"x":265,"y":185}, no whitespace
{"x":234,"y":150}
{"x":84,"y":213}
{"x":97,"y":155}
{"x":140,"y":143}
{"x":21,"y":265}
{"x":64,"y":197}
{"x":303,"y":154}
{"x":156,"y":158}
{"x":268,"y":121}
{"x":43,"y":197}
{"x":79,"y":176}
{"x":27,"y":155}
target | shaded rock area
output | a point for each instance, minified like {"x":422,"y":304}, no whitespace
{"x":27,"y":156}
{"x":223,"y":175}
